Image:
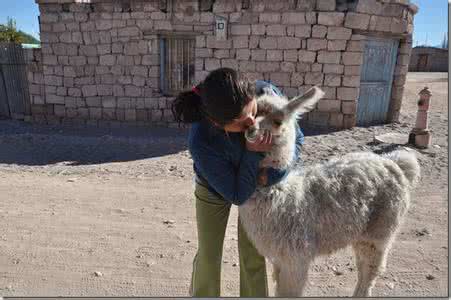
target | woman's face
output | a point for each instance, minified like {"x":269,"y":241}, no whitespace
{"x":245,"y":120}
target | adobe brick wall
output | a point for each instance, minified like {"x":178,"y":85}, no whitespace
{"x":33,"y":59}
{"x":437,"y":60}
{"x":100,"y":64}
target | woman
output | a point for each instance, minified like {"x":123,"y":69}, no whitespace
{"x":221,"y":108}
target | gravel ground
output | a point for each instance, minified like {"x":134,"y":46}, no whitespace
{"x":92,"y":212}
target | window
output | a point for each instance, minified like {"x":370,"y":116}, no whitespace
{"x":176,"y":64}
{"x":422,"y":65}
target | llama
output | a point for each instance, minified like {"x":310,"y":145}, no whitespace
{"x":358,"y":200}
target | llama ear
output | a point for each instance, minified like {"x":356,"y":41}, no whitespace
{"x":304,"y":103}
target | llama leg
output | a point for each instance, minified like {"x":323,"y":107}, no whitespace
{"x":371,"y":259}
{"x":290,"y":279}
{"x":276,"y":277}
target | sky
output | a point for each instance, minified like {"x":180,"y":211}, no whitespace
{"x":25,"y":12}
{"x":431,"y":22}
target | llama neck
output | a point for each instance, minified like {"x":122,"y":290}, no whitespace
{"x":282,"y":153}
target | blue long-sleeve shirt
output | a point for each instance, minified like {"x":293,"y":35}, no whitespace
{"x":222,"y":162}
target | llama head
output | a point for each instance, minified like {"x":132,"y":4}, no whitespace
{"x":278,"y":114}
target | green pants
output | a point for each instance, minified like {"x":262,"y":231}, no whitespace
{"x":212,"y":213}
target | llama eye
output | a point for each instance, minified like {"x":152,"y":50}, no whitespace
{"x":277,"y":123}
{"x":261,"y":112}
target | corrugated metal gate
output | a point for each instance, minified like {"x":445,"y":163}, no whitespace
{"x":379,"y":62}
{"x":14,"y":93}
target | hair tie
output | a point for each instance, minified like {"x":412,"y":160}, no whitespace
{"x":195,"y":90}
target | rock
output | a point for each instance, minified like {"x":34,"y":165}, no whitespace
{"x":168,"y":222}
{"x":235,"y":265}
{"x":436,"y":146}
{"x":161,"y":255}
{"x":390,"y":285}
{"x":188,"y":241}
{"x":422,"y":232}
{"x":430,"y":277}
{"x":336,"y":271}
{"x":98,"y":274}
{"x":172,"y":168}
{"x":149,"y":262}
{"x":391,"y":138}
{"x":225,"y":261}
{"x":428,"y":152}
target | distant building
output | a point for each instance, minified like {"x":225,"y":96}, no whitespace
{"x":428,"y":59}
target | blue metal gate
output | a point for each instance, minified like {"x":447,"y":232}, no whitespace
{"x":379,"y":62}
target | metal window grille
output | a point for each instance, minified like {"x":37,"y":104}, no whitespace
{"x":177,"y":64}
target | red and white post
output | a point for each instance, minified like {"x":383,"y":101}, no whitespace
{"x":420,"y":135}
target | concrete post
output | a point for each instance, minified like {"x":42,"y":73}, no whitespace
{"x":420,"y":136}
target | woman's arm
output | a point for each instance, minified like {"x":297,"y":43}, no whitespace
{"x":262,"y":86}
{"x":235,"y":185}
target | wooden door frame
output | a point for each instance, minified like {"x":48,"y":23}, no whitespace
{"x":397,"y":41}
{"x":395,"y":100}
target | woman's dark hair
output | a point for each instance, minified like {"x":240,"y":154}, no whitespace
{"x":220,"y":97}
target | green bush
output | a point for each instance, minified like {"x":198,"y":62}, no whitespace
{"x":10,"y":34}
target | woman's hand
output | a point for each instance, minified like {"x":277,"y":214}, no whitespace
{"x":262,"y":178}
{"x":262,"y":144}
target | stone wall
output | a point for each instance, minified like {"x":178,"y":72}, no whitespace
{"x":101,"y":64}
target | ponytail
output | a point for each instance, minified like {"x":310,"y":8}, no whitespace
{"x":186,"y":107}
{"x":221,"y":97}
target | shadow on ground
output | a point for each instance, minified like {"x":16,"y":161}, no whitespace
{"x":29,"y":144}
{"x":35,"y":145}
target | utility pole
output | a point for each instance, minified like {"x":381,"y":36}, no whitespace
{"x":444,"y":42}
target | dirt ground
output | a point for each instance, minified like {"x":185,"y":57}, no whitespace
{"x":92,"y":212}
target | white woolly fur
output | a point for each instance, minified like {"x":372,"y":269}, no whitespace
{"x":358,"y":199}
